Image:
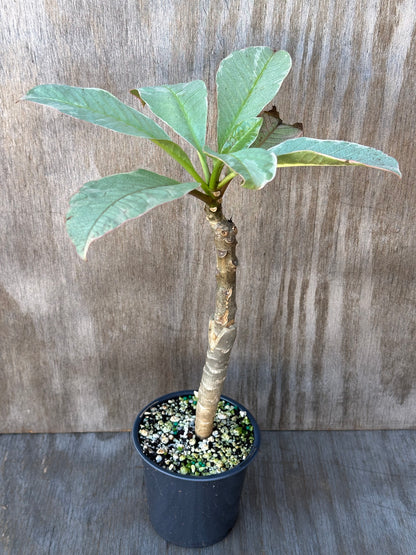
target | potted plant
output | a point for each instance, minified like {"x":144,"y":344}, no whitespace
{"x":194,"y":503}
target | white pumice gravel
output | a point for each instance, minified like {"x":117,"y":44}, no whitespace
{"x":167,"y":437}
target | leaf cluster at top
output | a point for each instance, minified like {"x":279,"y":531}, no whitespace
{"x":251,"y":143}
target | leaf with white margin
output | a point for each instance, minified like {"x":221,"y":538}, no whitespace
{"x":243,"y":135}
{"x":99,"y":107}
{"x":247,"y":80}
{"x":306,"y":151}
{"x":101,"y":206}
{"x":184,"y":107}
{"x":255,"y":165}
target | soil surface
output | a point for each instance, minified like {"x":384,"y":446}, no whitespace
{"x":167,"y":437}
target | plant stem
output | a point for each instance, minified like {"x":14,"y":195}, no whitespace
{"x":226,"y":179}
{"x":206,"y":189}
{"x":222,"y":329}
{"x":179,"y":155}
{"x":216,"y":172}
{"x":204,"y":165}
{"x":201,"y":196}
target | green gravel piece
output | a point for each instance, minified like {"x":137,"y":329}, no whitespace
{"x":174,"y":421}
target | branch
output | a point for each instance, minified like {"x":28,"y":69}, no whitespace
{"x":201,"y":196}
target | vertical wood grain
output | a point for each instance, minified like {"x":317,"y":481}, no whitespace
{"x":327,"y":324}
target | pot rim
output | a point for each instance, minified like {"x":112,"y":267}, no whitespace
{"x":213,"y":477}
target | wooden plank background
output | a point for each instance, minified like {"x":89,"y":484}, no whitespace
{"x":327,"y":319}
{"x":324,"y":493}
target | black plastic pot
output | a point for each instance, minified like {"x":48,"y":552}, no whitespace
{"x":193,"y":511}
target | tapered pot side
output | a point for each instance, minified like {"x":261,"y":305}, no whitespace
{"x":193,"y":511}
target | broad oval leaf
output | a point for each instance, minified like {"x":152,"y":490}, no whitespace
{"x":102,"y":205}
{"x":274,"y":131}
{"x":182,"y":106}
{"x":306,"y":151}
{"x":246,"y":81}
{"x":255,"y":165}
{"x":99,"y":107}
{"x":243,"y":135}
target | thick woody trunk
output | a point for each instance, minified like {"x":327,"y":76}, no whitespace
{"x":222,"y":330}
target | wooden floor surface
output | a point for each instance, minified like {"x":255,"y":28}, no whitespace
{"x":306,"y":493}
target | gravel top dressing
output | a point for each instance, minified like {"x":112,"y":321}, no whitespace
{"x":167,"y":437}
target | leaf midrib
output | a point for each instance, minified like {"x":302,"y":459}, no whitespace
{"x":184,"y":112}
{"x":118,"y":200}
{"x":246,"y":134}
{"x":269,"y":134}
{"x":87,"y":107}
{"x":247,"y":98}
{"x":242,"y":164}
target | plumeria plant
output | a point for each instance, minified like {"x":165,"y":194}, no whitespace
{"x":251,"y":144}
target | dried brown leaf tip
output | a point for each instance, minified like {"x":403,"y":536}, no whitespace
{"x":273,"y":113}
{"x":136,"y":93}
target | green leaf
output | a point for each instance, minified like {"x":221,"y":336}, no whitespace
{"x":183,"y":107}
{"x":243,"y":135}
{"x":246,"y":81}
{"x":102,"y":205}
{"x":274,"y":131}
{"x":255,"y":165}
{"x":99,"y":107}
{"x":315,"y":152}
